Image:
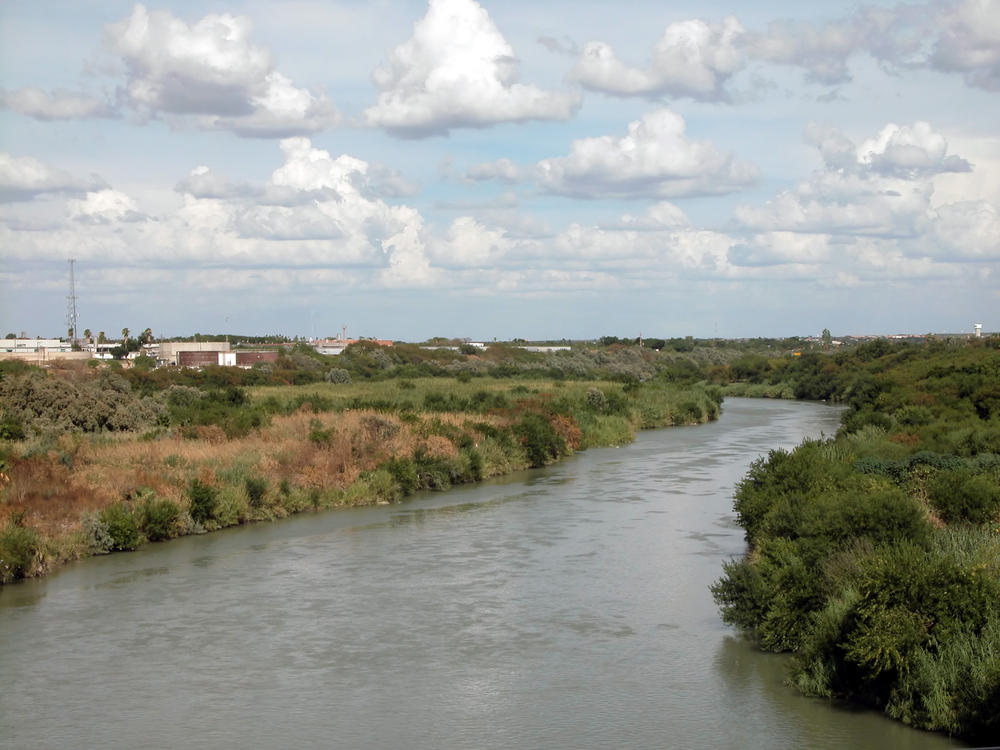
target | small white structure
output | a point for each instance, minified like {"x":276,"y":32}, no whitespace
{"x":330,"y":346}
{"x":978,"y":327}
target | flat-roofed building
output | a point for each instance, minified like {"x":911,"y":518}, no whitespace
{"x":38,"y":351}
{"x":169,"y":350}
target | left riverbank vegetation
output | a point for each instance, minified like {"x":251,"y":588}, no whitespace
{"x":874,"y":555}
{"x":97,"y":459}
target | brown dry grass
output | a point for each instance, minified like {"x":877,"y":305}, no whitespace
{"x":54,"y":492}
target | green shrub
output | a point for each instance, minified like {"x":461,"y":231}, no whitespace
{"x":742,"y":595}
{"x":602,"y":430}
{"x":690,"y":411}
{"x":432,"y":473}
{"x":404,"y":472}
{"x":373,"y":488}
{"x":436,"y":401}
{"x":122,"y":526}
{"x":203,"y":500}
{"x":318,"y":435}
{"x":913,"y":416}
{"x":20,"y":546}
{"x":337,"y":375}
{"x":597,"y":400}
{"x":159,"y":519}
{"x":954,"y":688}
{"x":540,"y":440}
{"x":475,"y":464}
{"x":11,"y":427}
{"x":959,"y":495}
{"x":231,"y":507}
{"x":821,"y":524}
{"x":256,"y":488}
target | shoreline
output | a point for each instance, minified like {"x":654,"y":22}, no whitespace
{"x":155,"y":488}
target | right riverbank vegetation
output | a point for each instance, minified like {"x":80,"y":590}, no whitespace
{"x":97,"y":458}
{"x":874,"y":555}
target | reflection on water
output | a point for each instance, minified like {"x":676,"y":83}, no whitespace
{"x":564,"y":608}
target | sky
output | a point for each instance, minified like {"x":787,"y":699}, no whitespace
{"x":500,"y":169}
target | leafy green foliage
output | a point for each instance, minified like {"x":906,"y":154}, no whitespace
{"x":203,"y":500}
{"x":960,"y":495}
{"x":256,"y":488}
{"x":541,"y":442}
{"x":121,"y":525}
{"x":159,"y":518}
{"x":44,"y":402}
{"x":875,"y":555}
{"x":19,"y":547}
{"x":228,"y":407}
{"x":337,"y":375}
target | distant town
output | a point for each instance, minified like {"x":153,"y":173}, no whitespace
{"x":230,"y":350}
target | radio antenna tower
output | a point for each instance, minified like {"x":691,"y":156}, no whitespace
{"x":71,"y":316}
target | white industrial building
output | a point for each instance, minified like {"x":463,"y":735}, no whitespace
{"x":167,"y":351}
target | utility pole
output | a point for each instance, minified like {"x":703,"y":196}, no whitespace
{"x":71,"y":315}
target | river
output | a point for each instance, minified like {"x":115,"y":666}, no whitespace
{"x":560,"y":608}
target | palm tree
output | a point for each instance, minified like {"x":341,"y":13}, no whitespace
{"x":86,"y":334}
{"x":101,"y":338}
{"x":124,"y":334}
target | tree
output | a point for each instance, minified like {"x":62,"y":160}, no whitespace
{"x":124,"y":334}
{"x":147,"y":336}
{"x":101,"y":338}
{"x":143,"y":362}
{"x":827,"y":339}
{"x":86,"y":333}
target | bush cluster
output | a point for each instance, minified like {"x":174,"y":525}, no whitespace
{"x":20,"y":547}
{"x":38,"y":401}
{"x":875,"y":555}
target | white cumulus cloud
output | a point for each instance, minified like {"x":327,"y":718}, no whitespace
{"x":844,"y":204}
{"x":469,"y":242}
{"x":457,"y":70}
{"x":910,"y":151}
{"x":104,"y":207}
{"x":904,"y":151}
{"x":874,"y":201}
{"x":693,"y":59}
{"x":655,"y":159}
{"x":969,"y":42}
{"x":24,"y":178}
{"x":209,"y":73}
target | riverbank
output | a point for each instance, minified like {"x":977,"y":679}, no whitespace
{"x":875,"y":556}
{"x":561,"y":607}
{"x":269,"y":452}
